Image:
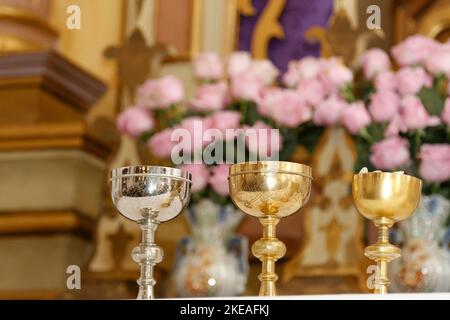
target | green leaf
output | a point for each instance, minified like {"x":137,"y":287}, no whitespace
{"x":146,"y":135}
{"x":363,"y":154}
{"x":308,"y":135}
{"x":347,"y":92}
{"x":432,"y":100}
{"x":217,"y":198}
{"x":366,"y":91}
{"x":252,"y":114}
{"x":375,"y":132}
{"x":289,"y":143}
{"x":436,"y":134}
{"x":363,"y":89}
{"x":437,"y":188}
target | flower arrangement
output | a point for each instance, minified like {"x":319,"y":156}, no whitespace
{"x":405,"y":125}
{"x":243,"y":94}
{"x":400,"y":117}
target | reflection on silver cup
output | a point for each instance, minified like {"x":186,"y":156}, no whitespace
{"x":149,"y":195}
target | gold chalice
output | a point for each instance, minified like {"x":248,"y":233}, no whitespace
{"x":269,"y":190}
{"x":385,"y":198}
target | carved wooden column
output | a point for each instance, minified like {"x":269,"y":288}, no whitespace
{"x":51,"y":169}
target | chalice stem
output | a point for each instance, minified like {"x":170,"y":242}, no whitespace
{"x":268,"y":250}
{"x":147,"y":254}
{"x":382,"y":256}
{"x":381,"y":280}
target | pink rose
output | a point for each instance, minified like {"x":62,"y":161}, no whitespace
{"x":374,"y":61}
{"x":196,"y":128}
{"x":208,"y":66}
{"x":312,"y":91}
{"x":309,"y":67}
{"x":223,"y":120}
{"x":263,"y":140}
{"x":355,"y":117}
{"x":328,"y":112}
{"x":433,"y":121}
{"x":134,"y":121}
{"x":446,"y":112}
{"x":385,"y":80}
{"x":292,"y":110}
{"x":414,"y":115}
{"x":335,"y":74}
{"x":384,"y":105}
{"x":413,"y":50}
{"x":269,"y":101}
{"x":286,"y":107}
{"x":305,"y":69}
{"x":200,"y":175}
{"x":291,"y":77}
{"x":435,"y":162}
{"x":210,"y":97}
{"x":438,"y":61}
{"x":390,"y":153}
{"x":219,"y":179}
{"x":161,"y":144}
{"x":160,"y":93}
{"x":265,"y":70}
{"x":411,"y":80}
{"x":239,"y":62}
{"x":246,"y":86}
{"x":395,"y":126}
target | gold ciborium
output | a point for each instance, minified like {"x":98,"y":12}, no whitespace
{"x":385,"y":198}
{"x":269,"y":190}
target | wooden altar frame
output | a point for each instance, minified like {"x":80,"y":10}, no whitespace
{"x":195,"y":37}
{"x":429,"y":18}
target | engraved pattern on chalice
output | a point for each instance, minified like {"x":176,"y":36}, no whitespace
{"x":149,"y":195}
{"x":269,"y":190}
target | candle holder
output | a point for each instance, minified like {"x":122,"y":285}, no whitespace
{"x":149,"y":195}
{"x":385,"y":198}
{"x":269,"y":190}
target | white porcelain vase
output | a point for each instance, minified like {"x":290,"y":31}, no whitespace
{"x":425,"y":262}
{"x":213,"y":262}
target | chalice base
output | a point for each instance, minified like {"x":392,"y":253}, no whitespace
{"x":267,"y":289}
{"x":145,"y":293}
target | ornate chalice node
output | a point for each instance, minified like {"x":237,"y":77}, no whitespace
{"x":385,"y":198}
{"x":269,"y":190}
{"x":149,"y":195}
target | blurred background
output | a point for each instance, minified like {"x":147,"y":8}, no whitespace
{"x":62,"y":85}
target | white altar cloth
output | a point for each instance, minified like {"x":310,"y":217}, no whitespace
{"x":359,"y":296}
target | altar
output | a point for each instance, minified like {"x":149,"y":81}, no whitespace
{"x":197,"y":149}
{"x":360,"y":296}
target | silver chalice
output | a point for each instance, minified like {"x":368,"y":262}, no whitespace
{"x":149,"y":195}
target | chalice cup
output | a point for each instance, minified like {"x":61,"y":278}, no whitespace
{"x":269,"y":190}
{"x":149,"y":195}
{"x":385,"y":198}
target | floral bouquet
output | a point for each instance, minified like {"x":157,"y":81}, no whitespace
{"x":406,"y":123}
{"x":235,"y":97}
{"x":163,"y":114}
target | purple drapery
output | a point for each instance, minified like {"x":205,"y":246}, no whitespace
{"x":297,"y":17}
